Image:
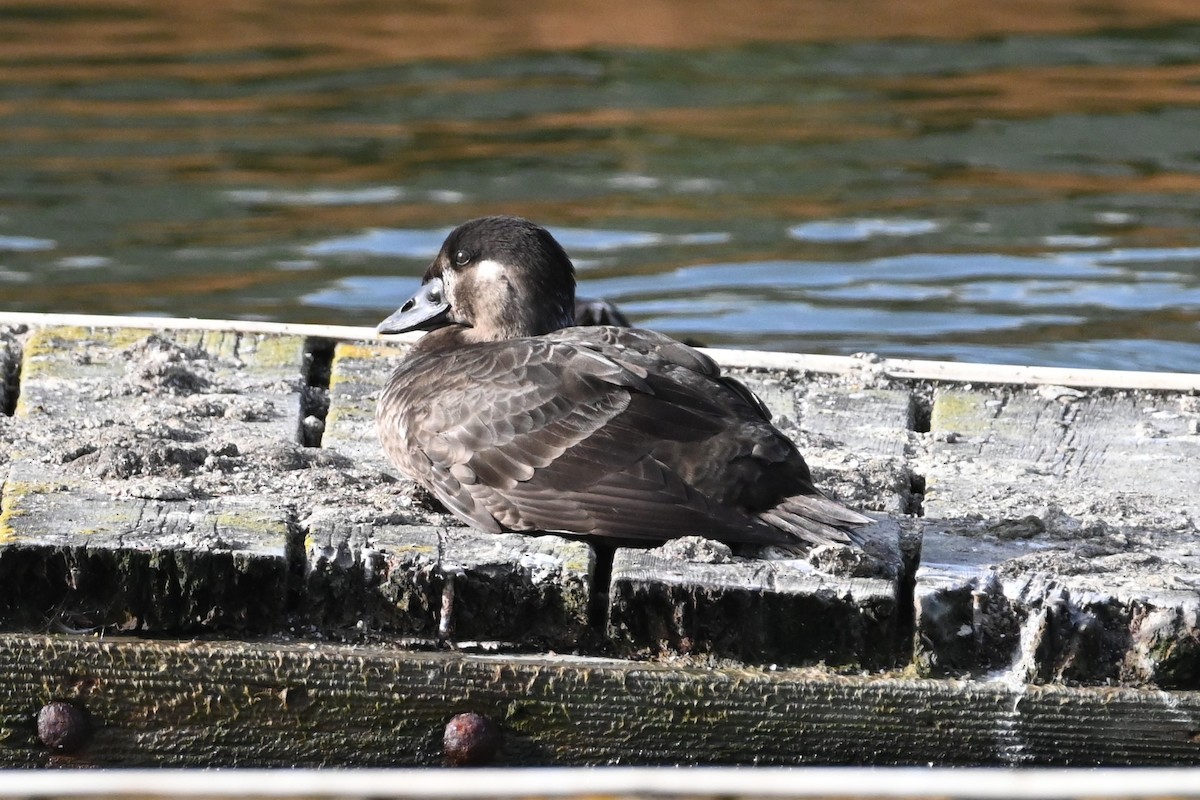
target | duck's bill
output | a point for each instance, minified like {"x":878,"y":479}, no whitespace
{"x":424,"y":311}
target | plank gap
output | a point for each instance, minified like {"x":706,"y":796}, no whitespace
{"x":921,"y":409}
{"x":295,"y":554}
{"x":314,"y":402}
{"x":914,"y":501}
{"x":10,"y":373}
{"x":601,"y":579}
{"x":906,"y":592}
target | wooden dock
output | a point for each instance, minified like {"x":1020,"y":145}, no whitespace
{"x":205,"y":555}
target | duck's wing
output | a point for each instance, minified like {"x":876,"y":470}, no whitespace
{"x":745,"y":461}
{"x":646,"y":351}
{"x":553,"y":434}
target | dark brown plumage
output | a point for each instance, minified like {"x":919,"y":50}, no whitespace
{"x":518,"y":422}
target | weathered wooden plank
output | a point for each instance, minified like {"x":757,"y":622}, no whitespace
{"x":119,"y":509}
{"x":446,"y":583}
{"x":869,"y":422}
{"x":1060,"y":539}
{"x":693,"y":597}
{"x":132,"y":403}
{"x":870,"y":367}
{"x":72,"y":557}
{"x":837,"y":414}
{"x":28,"y":319}
{"x":169,"y":703}
{"x":357,"y":376}
{"x":1055,"y":441}
{"x":858,"y":440}
{"x":106,"y":368}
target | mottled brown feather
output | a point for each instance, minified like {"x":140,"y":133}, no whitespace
{"x":620,"y":438}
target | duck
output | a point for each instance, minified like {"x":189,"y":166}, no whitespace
{"x":519,"y":420}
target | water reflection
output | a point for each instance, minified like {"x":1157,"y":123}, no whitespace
{"x":1004,"y":185}
{"x":859,"y":230}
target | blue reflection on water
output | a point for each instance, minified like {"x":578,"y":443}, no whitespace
{"x":860,"y":230}
{"x":383,"y":242}
{"x":25,"y":244}
{"x":911,"y":293}
{"x":422,"y":243}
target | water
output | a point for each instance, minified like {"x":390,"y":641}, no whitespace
{"x":1019,"y":185}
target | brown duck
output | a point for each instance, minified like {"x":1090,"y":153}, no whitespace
{"x":518,"y":421}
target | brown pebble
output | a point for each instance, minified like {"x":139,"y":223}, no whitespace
{"x":62,"y":726}
{"x":470,"y":740}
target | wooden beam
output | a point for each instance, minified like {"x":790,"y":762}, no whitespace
{"x":174,"y":703}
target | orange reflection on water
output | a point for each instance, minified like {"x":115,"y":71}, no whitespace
{"x":1036,"y":92}
{"x":314,"y":35}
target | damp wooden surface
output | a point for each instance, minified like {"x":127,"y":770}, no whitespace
{"x":1060,"y":536}
{"x":188,"y":478}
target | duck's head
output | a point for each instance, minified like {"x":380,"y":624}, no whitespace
{"x":495,"y":278}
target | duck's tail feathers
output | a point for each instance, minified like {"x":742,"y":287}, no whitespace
{"x":817,"y":520}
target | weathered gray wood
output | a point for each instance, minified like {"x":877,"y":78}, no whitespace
{"x":1060,"y":539}
{"x":869,"y":422}
{"x":1052,"y":442}
{"x":692,"y":597}
{"x":73,"y":558}
{"x":117,"y":510}
{"x":836,"y":413}
{"x":863,"y":437}
{"x":358,"y":374}
{"x":869,"y":368}
{"x":152,"y":406}
{"x":108,"y":367}
{"x":167,"y":703}
{"x":447,"y":583}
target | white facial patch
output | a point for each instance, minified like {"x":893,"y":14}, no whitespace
{"x":448,"y":280}
{"x":489,"y":270}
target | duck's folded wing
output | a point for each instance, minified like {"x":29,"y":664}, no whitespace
{"x":538,"y":435}
{"x":645,"y":351}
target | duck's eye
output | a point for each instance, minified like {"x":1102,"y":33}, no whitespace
{"x":461,"y":258}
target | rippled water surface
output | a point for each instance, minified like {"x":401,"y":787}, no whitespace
{"x":1017,"y":184}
